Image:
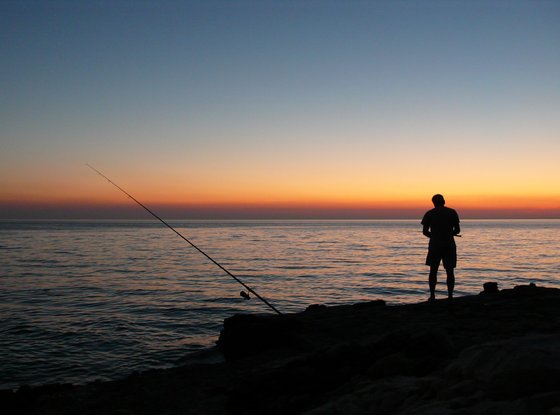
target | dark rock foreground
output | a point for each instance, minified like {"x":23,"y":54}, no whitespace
{"x":493,"y":353}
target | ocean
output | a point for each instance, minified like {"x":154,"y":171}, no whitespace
{"x":88,"y":300}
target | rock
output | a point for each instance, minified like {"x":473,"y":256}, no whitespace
{"x":315,"y":307}
{"x":526,"y":289}
{"x":247,"y":334}
{"x":369,"y":304}
{"x":431,"y":344}
{"x":490,"y":287}
{"x":512,"y":368}
{"x":392,"y":365}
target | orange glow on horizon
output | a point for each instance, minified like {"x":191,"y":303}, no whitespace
{"x":323,"y":195}
{"x":459,"y":201}
{"x":468,"y":207}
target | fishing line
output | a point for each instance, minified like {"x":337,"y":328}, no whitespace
{"x":189,"y":242}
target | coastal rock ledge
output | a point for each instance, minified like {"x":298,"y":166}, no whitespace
{"x":493,"y":353}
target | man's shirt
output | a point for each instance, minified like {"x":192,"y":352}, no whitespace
{"x":442,"y":222}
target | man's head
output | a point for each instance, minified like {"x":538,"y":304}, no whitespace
{"x":438,"y":200}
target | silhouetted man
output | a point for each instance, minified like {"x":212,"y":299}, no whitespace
{"x":441,"y":224}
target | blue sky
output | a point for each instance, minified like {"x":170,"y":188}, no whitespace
{"x":261,"y":94}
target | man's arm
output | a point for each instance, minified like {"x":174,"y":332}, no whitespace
{"x":456,"y":229}
{"x":426,"y":225}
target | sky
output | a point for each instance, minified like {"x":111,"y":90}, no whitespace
{"x":279,"y":109}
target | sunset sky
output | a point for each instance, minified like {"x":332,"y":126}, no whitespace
{"x":279,"y":109}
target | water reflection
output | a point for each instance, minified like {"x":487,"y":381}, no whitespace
{"x":96,"y":299}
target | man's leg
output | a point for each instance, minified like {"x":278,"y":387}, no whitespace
{"x":450,"y":281}
{"x":433,"y":280}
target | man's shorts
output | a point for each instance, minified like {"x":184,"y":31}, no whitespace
{"x":446,"y":253}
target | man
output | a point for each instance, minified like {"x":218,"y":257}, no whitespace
{"x":441,"y":224}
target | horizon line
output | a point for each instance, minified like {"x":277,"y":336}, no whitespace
{"x":60,"y":219}
{"x":92,"y":210}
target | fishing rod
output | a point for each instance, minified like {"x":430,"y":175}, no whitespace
{"x":243,"y":294}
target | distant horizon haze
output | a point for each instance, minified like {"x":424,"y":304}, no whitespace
{"x":127,"y":209}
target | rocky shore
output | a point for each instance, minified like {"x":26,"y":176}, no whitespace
{"x":493,"y":353}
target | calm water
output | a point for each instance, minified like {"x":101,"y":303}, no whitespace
{"x":97,"y":300}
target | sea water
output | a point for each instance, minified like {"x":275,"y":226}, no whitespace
{"x":86,"y":300}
